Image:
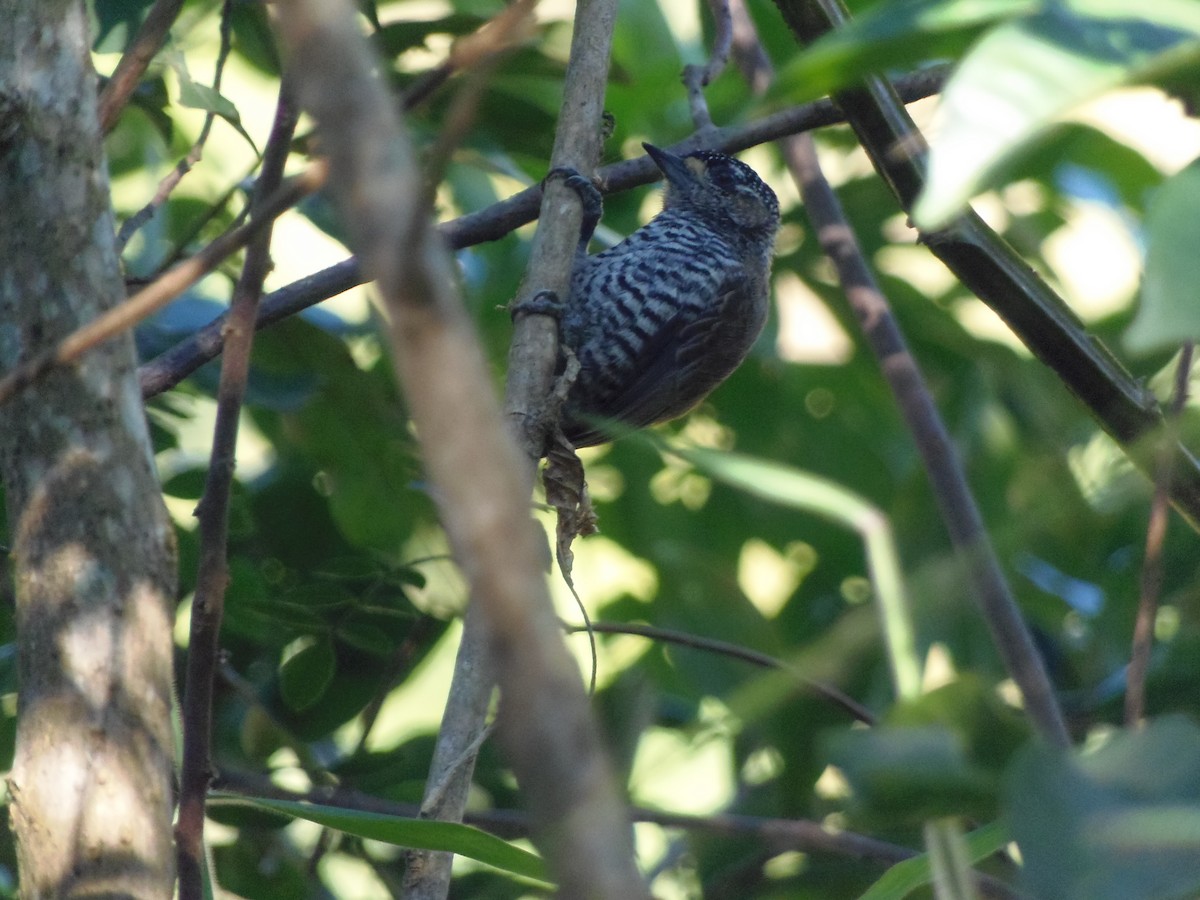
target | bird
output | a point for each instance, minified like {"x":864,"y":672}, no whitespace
{"x":662,"y":318}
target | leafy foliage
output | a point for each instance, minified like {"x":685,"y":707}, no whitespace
{"x":340,"y":614}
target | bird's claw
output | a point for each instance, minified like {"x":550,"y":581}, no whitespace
{"x":543,"y":303}
{"x":587,"y":192}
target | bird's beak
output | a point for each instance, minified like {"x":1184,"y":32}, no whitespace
{"x":678,"y":171}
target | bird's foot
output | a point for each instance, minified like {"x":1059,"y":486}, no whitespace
{"x":589,"y":197}
{"x":543,"y":303}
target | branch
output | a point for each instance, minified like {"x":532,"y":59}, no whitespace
{"x":533,"y":354}
{"x":92,"y":555}
{"x":779,"y":835}
{"x":478,"y":475}
{"x":903,"y":376}
{"x":137,"y":57}
{"x":533,"y":357}
{"x":213,"y":516}
{"x":496,"y":221}
{"x":697,"y":78}
{"x":163,"y":290}
{"x":994,"y":272}
{"x":734,"y":651}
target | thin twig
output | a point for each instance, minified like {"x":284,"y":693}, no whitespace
{"x":163,"y":290}
{"x":212,"y":514}
{"x":1156,"y":535}
{"x":947,"y":479}
{"x":137,"y":57}
{"x":734,"y":651}
{"x":131,"y":225}
{"x":183,"y":241}
{"x":696,"y":78}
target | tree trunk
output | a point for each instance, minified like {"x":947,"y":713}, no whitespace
{"x":93,"y":551}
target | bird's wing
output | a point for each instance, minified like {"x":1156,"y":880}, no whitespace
{"x":677,"y":368}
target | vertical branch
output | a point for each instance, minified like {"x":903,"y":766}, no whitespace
{"x":532,"y":360}
{"x":92,"y":546}
{"x":213,"y":515}
{"x":463,"y":728}
{"x":1156,"y":535}
{"x":533,"y":353}
{"x":696,"y":78}
{"x":480,"y":478}
{"x":904,"y":378}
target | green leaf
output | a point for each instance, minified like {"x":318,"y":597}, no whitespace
{"x":420,"y":834}
{"x":906,"y":774}
{"x":1170,"y":312}
{"x":905,"y":877}
{"x":307,"y":668}
{"x":891,"y":35}
{"x":252,"y":37}
{"x":1119,"y":823}
{"x":361,"y":631}
{"x":991,"y":732}
{"x":1024,"y":75}
{"x":194,"y":95}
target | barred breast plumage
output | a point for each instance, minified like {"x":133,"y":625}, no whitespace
{"x":661,"y":319}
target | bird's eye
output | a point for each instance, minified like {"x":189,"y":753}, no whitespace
{"x":748,"y":209}
{"x":723,"y":175}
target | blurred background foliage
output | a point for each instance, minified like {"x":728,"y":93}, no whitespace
{"x":342,"y":613}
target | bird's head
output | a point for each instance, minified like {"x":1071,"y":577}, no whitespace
{"x":724,"y":190}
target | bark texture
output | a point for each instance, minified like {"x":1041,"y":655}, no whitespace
{"x":92,"y":547}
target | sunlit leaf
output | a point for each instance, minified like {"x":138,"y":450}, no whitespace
{"x":1170,"y":309}
{"x":1024,"y":75}
{"x":200,"y":96}
{"x":891,"y":35}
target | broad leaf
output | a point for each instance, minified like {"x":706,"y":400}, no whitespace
{"x":891,"y":35}
{"x":306,"y":672}
{"x":1170,"y":309}
{"x":1119,"y":823}
{"x":1025,"y":74}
